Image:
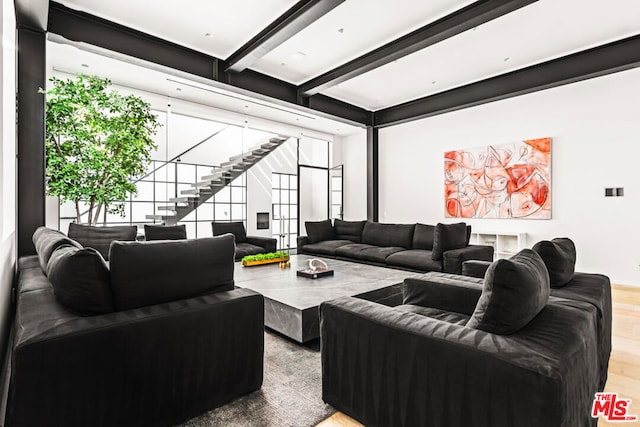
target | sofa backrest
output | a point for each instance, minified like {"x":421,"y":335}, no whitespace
{"x":423,"y":236}
{"x":236,"y":228}
{"x":100,"y":238}
{"x":348,"y":230}
{"x":399,"y":235}
{"x":46,"y":241}
{"x":147,"y":273}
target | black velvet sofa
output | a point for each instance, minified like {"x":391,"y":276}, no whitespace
{"x":537,"y":359}
{"x":245,"y":245}
{"x":155,"y":338}
{"x":413,"y":247}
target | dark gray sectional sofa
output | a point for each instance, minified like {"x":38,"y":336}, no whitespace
{"x":413,"y":247}
{"x":528,"y":345}
{"x":155,"y":338}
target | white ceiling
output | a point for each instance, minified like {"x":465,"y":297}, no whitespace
{"x":536,"y":33}
{"x":190,"y":96}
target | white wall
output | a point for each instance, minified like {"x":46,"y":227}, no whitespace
{"x":353,"y":154}
{"x":595,"y":131}
{"x":7,"y":170}
{"x":283,"y":160}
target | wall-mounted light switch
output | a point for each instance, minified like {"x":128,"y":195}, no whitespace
{"x":620,"y":191}
{"x":609,"y":192}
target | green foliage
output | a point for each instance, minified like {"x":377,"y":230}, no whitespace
{"x":262,"y":257}
{"x":97,"y":143}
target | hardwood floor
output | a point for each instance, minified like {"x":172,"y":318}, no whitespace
{"x":624,"y":365}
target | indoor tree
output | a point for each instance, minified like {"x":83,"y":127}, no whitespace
{"x":98,"y":142}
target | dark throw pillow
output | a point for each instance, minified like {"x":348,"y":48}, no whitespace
{"x":423,"y":237}
{"x":348,"y":230}
{"x":80,"y":280}
{"x":235,"y":228}
{"x":165,"y":232}
{"x":46,"y":241}
{"x":148,"y":273}
{"x":319,"y":231}
{"x":447,"y":237}
{"x":100,"y":238}
{"x":559,"y":255}
{"x":515,"y":291}
{"x":388,"y":235}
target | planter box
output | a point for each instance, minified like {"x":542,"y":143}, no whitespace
{"x":264,"y":261}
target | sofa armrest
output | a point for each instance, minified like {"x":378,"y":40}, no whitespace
{"x":443,"y":291}
{"x":146,"y":366}
{"x":268,"y":243}
{"x":475,"y":268}
{"x":302,"y":240}
{"x":454,"y":258}
{"x":383,"y":366}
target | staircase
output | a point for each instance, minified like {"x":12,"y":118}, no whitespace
{"x":189,"y":200}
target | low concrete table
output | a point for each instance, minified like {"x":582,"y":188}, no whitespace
{"x":291,"y":302}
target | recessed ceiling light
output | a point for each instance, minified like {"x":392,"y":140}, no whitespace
{"x":207,"y":35}
{"x":178,"y":89}
{"x":506,"y":59}
{"x":434,"y":82}
{"x":341,"y":30}
{"x":84,"y":65}
{"x":299,"y":55}
{"x":284,"y":64}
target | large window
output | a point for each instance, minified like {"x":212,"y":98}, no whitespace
{"x":284,"y":195}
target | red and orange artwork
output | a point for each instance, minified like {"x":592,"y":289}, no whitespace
{"x":499,"y":181}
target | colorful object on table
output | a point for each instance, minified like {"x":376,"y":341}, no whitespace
{"x":499,"y":181}
{"x":269,"y":258}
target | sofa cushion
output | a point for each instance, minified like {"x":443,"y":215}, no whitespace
{"x":244,"y":249}
{"x":515,"y":290}
{"x":235,"y":228}
{"x":423,"y":236}
{"x":351,"y":250}
{"x":80,"y":280}
{"x":415,"y":259}
{"x":559,"y":255}
{"x":100,"y":238}
{"x":385,"y":235}
{"x":46,"y":241}
{"x":348,"y":230}
{"x":377,"y":254}
{"x":147,"y":273}
{"x":165,"y":232}
{"x":448,"y":236}
{"x":328,"y":247}
{"x":434,"y":313}
{"x":319,"y":231}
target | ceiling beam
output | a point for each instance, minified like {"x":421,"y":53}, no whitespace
{"x":82,"y":27}
{"x":32,"y":14}
{"x":461,"y":20}
{"x":606,"y":59}
{"x":298,"y":17}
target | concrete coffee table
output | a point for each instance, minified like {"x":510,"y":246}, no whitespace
{"x":291,"y":302}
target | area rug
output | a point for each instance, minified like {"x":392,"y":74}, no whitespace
{"x":291,"y":394}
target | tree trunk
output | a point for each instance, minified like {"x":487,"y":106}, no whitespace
{"x":91,"y":204}
{"x":78,"y":219}
{"x":104,"y":218}
{"x":97,"y":214}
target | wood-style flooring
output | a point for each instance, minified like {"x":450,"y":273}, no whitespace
{"x":624,"y":365}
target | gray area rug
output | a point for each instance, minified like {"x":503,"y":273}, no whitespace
{"x":291,"y":394}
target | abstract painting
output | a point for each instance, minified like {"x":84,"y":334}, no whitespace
{"x":499,"y":181}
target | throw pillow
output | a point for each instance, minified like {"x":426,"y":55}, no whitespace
{"x":447,"y":237}
{"x":348,"y":230}
{"x":235,"y":228}
{"x":515,"y":290}
{"x":100,"y":238}
{"x":559,"y":255}
{"x":319,"y":231}
{"x":388,"y":235}
{"x":165,"y":232}
{"x":46,"y":241}
{"x":80,"y":280}
{"x":148,"y":273}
